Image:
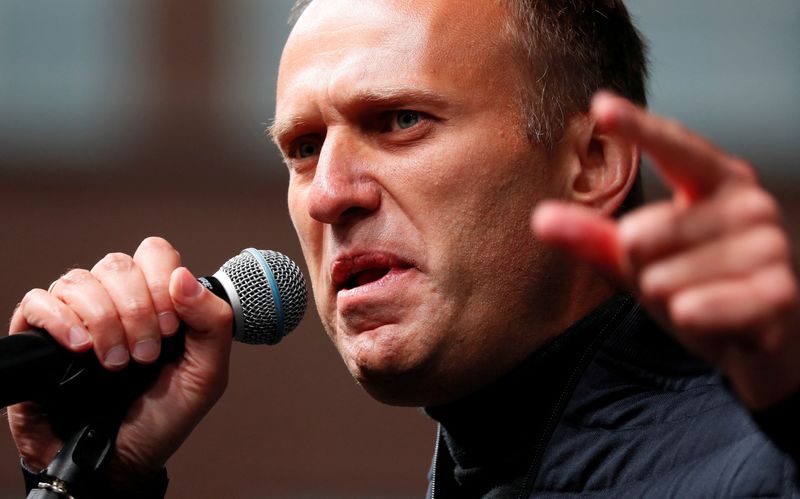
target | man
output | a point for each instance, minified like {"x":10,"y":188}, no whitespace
{"x":420,"y":136}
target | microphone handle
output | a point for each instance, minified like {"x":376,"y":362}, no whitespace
{"x":33,"y":366}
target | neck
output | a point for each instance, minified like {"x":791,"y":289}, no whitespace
{"x":577,"y":291}
{"x":499,"y":428}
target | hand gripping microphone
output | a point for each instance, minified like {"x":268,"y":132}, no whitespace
{"x":265,"y":289}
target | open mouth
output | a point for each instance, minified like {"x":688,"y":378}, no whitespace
{"x":365,"y":277}
{"x":353,"y":272}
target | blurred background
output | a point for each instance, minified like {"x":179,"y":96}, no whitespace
{"x":124,"y":119}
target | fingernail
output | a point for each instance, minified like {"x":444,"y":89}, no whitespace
{"x":146,"y":350}
{"x":117,"y":357}
{"x":79,"y":336}
{"x":168,"y":322}
{"x":190,"y":288}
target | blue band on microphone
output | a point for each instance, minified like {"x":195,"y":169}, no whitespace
{"x":273,"y":284}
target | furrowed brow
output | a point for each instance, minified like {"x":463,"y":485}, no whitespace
{"x":390,"y":96}
{"x":279,"y":128}
{"x":386,"y":97}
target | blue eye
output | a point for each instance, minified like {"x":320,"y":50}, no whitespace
{"x":406,"y":119}
{"x":307,"y":149}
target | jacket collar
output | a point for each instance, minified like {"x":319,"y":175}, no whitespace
{"x":500,"y":431}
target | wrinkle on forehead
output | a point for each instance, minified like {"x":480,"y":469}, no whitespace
{"x":341,"y":44}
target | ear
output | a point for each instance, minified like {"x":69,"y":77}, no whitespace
{"x":601,"y":168}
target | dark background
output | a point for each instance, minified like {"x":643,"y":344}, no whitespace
{"x":120,"y":120}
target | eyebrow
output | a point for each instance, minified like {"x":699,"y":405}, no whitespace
{"x":277,"y":129}
{"x":398,"y":95}
{"x":382,"y":96}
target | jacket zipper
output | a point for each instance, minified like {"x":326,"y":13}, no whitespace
{"x":558,"y":409}
{"x":435,"y":460}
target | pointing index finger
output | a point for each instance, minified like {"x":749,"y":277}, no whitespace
{"x":690,"y":164}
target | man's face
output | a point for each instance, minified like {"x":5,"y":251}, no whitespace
{"x":411,"y":186}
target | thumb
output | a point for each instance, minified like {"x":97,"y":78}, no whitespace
{"x":581,"y":232}
{"x":207,"y":317}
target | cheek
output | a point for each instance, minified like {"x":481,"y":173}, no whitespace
{"x":308,"y":231}
{"x":309,"y":234}
{"x":483,"y":208}
{"x":297,"y":213}
{"x":479,"y":238}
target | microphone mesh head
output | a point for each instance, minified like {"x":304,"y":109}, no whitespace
{"x":272,"y":293}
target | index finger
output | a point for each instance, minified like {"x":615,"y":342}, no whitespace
{"x":157,"y":259}
{"x":691,"y":165}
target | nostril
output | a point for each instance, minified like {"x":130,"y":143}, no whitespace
{"x":353,"y":212}
{"x":343,"y":201}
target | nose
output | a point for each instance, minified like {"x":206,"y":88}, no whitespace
{"x":343,"y":189}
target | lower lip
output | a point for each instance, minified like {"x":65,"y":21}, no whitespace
{"x":386,"y":285}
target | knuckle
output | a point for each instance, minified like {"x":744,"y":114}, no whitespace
{"x":33,"y":299}
{"x":158,"y":248}
{"x":76,"y":277}
{"x":778,"y":292}
{"x":157,"y":244}
{"x":743,"y":169}
{"x":755,"y":205}
{"x":630,"y":239}
{"x":28,"y":298}
{"x":159,"y":290}
{"x":24,"y":304}
{"x":101,"y":319}
{"x":682,"y":314}
{"x":136,"y":309}
{"x":650,"y":288}
{"x":116,"y":262}
{"x":642,"y":234}
{"x":776,"y":241}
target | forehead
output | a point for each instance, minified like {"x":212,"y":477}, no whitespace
{"x":443,"y":45}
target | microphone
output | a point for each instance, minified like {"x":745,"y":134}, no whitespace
{"x":265,"y":289}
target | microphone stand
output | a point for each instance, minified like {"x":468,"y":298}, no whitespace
{"x":83,"y":454}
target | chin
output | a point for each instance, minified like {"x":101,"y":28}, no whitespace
{"x":390,"y":373}
{"x":405,"y":390}
{"x":416,"y":384}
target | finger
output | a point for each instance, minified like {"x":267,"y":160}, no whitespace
{"x":660,"y":229}
{"x":583,"y":233}
{"x":690,"y":164}
{"x":127,"y":288}
{"x":156,"y":259}
{"x":42,"y":310}
{"x":745,"y":305}
{"x":209,"y":324}
{"x":87,"y":297}
{"x":734,"y":256}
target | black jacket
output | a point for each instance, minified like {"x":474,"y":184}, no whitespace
{"x":613,"y":407}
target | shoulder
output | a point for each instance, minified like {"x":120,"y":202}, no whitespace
{"x":647,"y":419}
